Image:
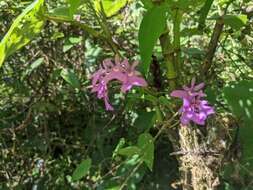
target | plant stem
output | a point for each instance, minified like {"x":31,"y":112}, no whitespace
{"x":130,"y":175}
{"x":172,"y":52}
{"x":101,"y":18}
{"x":85,"y":27}
{"x":168,"y":58}
{"x":176,"y":40}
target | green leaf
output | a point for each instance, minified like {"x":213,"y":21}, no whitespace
{"x":152,"y":26}
{"x":113,"y":188}
{"x":81,"y":170}
{"x":204,"y":12}
{"x":130,"y":151}
{"x":239,"y":96}
{"x":57,"y":35}
{"x":67,"y":47}
{"x":70,"y":77}
{"x":61,"y":13}
{"x":187,"y":5}
{"x":110,"y":7}
{"x":146,"y":144}
{"x":34,"y":66}
{"x":24,"y":28}
{"x":75,"y":40}
{"x":74,"y":4}
{"x":235,"y":21}
{"x":70,"y":42}
{"x":36,"y":63}
{"x":120,"y":144}
{"x":144,"y":121}
{"x":147,"y":4}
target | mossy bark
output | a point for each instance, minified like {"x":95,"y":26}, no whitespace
{"x":199,"y":167}
{"x":200,"y":154}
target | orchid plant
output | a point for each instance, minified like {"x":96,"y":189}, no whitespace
{"x":163,"y":56}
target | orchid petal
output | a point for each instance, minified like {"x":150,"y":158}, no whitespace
{"x":137,"y":81}
{"x":184,"y":120}
{"x":193,"y":82}
{"x":107,"y":64}
{"x":179,"y":94}
{"x":199,"y":86}
{"x":108,"y":107}
{"x":126,"y":87}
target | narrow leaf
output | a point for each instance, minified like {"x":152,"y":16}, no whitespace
{"x":152,"y":26}
{"x":81,"y":170}
{"x":121,"y":143}
{"x":34,"y":66}
{"x":204,"y":12}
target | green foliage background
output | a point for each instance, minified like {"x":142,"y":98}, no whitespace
{"x":55,"y":134}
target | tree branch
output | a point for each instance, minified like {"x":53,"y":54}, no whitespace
{"x":218,"y":28}
{"x":212,"y":46}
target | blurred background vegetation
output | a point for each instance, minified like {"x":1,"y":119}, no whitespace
{"x":50,"y":121}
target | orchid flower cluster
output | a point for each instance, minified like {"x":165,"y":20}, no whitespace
{"x":123,"y":72}
{"x":194,"y":107}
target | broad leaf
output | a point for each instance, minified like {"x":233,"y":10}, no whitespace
{"x":24,"y":28}
{"x":81,"y":170}
{"x":146,"y":144}
{"x":61,"y":13}
{"x":187,"y":5}
{"x":147,"y":3}
{"x":239,"y":96}
{"x":144,"y":121}
{"x":130,"y":151}
{"x":70,"y":77}
{"x":152,"y":26}
{"x":74,"y":4}
{"x":110,"y":7}
{"x":235,"y":21}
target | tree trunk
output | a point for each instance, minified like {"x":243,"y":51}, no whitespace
{"x":201,"y":153}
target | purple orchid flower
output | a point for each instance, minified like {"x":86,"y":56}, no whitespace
{"x":194,"y":108}
{"x":123,"y":72}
